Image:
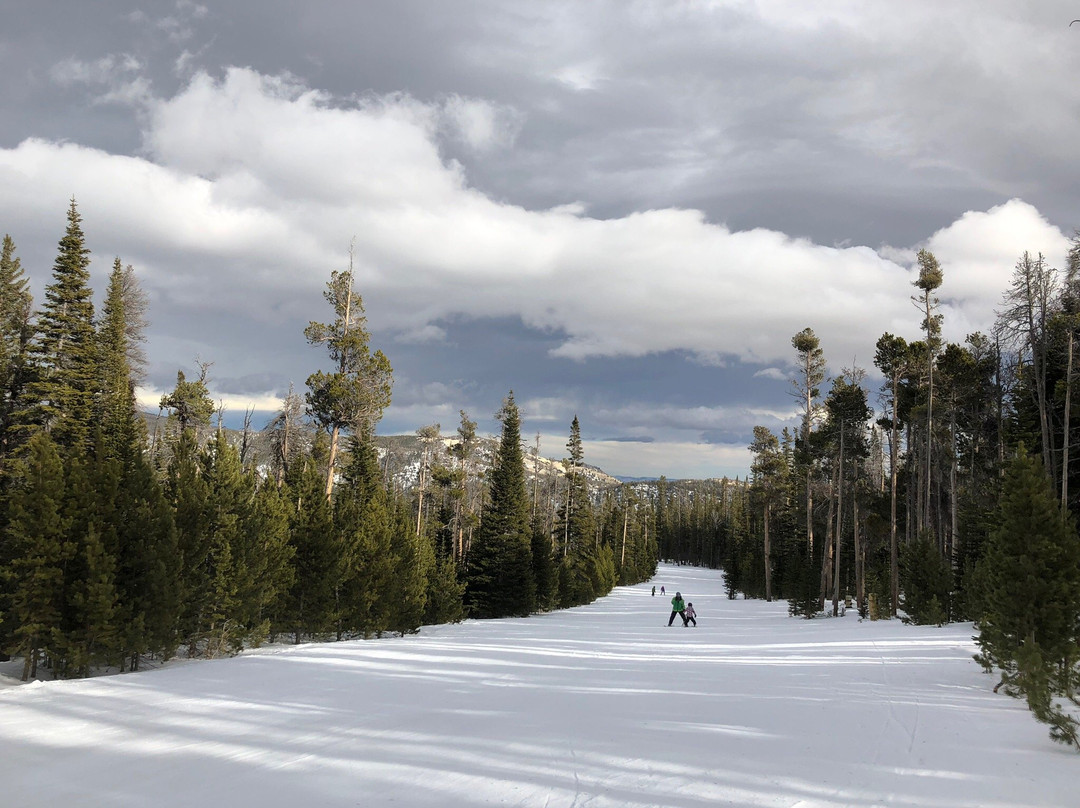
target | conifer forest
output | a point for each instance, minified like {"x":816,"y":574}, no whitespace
{"x":938,"y":486}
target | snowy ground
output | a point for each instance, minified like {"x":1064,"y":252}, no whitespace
{"x":602,"y":706}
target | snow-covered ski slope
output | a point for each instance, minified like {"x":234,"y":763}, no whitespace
{"x":602,"y":705}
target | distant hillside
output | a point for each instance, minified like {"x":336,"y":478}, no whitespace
{"x":399,"y":454}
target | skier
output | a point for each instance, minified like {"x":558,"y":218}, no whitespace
{"x":654,"y":591}
{"x":690,"y":616}
{"x":662,"y":591}
{"x":677,"y":608}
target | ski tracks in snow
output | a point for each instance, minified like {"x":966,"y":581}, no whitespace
{"x":893,"y":718}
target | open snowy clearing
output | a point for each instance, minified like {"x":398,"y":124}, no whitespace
{"x":602,"y":705}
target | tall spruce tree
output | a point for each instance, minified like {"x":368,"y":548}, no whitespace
{"x":90,"y":627}
{"x":583,"y":564}
{"x":188,"y":494}
{"x":116,"y":335}
{"x":1031,"y":620}
{"x":15,"y":335}
{"x":310,"y":607}
{"x":367,"y":524}
{"x":36,"y":532}
{"x":65,"y":363}
{"x":149,"y":564}
{"x":264,"y":559}
{"x":499,"y":580}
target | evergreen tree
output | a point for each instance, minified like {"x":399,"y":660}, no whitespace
{"x":413,"y":558}
{"x":811,"y":364}
{"x":770,"y":470}
{"x":892,"y":358}
{"x":264,"y":560}
{"x":369,"y":528}
{"x":15,"y":335}
{"x":65,"y":365}
{"x":317,"y":557}
{"x":499,"y":577}
{"x":926,"y":581}
{"x":583,"y":568}
{"x":89,"y":626}
{"x":234,"y":559}
{"x":37,"y":534}
{"x":445,"y":594}
{"x":543,"y":565}
{"x":118,"y":421}
{"x":353,"y":396}
{"x":148,"y":562}
{"x":188,"y":494}
{"x":189,"y":402}
{"x":1031,"y":621}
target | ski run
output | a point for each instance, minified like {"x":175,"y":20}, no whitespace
{"x":602,"y":705}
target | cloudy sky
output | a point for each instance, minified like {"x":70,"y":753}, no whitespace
{"x":622,"y":210}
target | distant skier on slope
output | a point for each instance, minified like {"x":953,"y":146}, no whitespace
{"x":678,"y":607}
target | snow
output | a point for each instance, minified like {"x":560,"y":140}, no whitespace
{"x":602,"y":705}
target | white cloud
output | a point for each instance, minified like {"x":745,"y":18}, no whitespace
{"x":251,"y":187}
{"x":114,"y":79}
{"x":980,"y":249}
{"x":148,"y":398}
{"x":676,"y":460}
{"x":264,"y":181}
{"x":773,"y":373}
{"x":481,"y":124}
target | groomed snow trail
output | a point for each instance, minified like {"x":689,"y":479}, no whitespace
{"x":598,"y":706}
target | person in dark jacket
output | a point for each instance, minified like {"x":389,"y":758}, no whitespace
{"x":678,"y":607}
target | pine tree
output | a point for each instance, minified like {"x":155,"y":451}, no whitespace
{"x":188,"y":494}
{"x":926,"y":581}
{"x":445,"y":594}
{"x":65,"y":364}
{"x":367,"y":524}
{"x":116,"y":334}
{"x":583,"y":566}
{"x":354,"y":395}
{"x":264,"y":559}
{"x":413,"y":558}
{"x":15,"y":335}
{"x":311,"y":605}
{"x":37,"y":534}
{"x":149,"y":564}
{"x":1031,"y":615}
{"x":89,"y":626}
{"x":189,"y":402}
{"x":499,"y":581}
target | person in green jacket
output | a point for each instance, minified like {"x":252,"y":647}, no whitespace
{"x":677,"y":608}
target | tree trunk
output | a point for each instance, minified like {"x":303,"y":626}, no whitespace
{"x":768,"y":556}
{"x":331,"y":461}
{"x":860,"y":567}
{"x":625,"y":525}
{"x":839,"y":537}
{"x":827,"y":550}
{"x":1065,"y":430}
{"x":894,"y":556}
